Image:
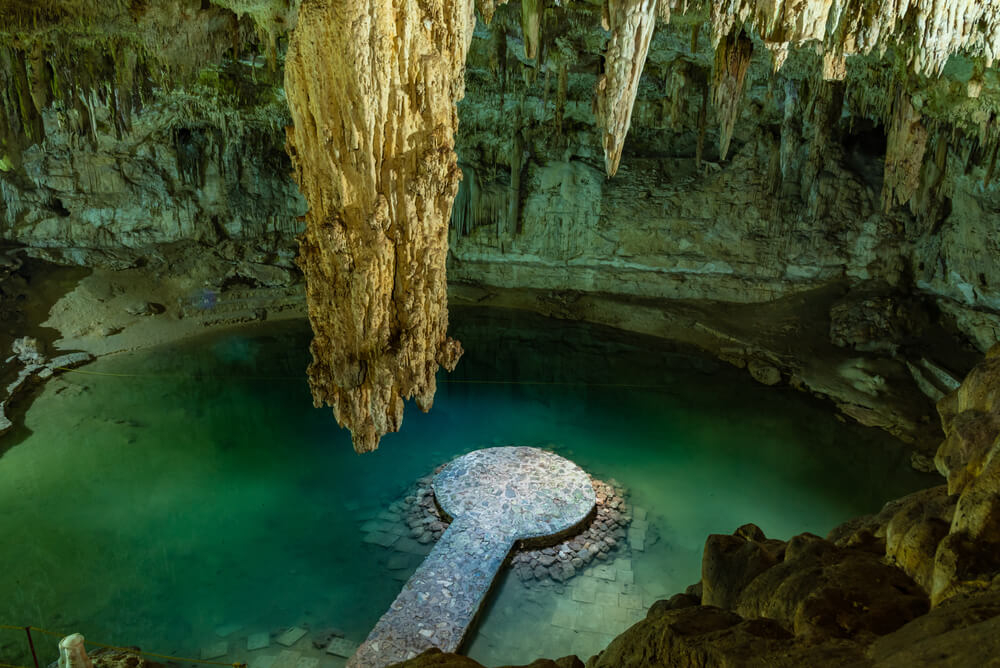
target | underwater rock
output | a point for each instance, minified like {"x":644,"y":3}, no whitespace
{"x":435,"y":658}
{"x":128,"y":657}
{"x":373,"y":151}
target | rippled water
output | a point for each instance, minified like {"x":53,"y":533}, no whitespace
{"x":164,"y":494}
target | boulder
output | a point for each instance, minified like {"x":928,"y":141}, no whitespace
{"x":708,"y":636}
{"x":824,"y":591}
{"x":730,"y":563}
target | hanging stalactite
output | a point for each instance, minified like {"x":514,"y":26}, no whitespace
{"x":904,"y":153}
{"x":631,"y":23}
{"x":732,"y":60}
{"x":487,"y":8}
{"x":373,"y":151}
{"x":531,"y":20}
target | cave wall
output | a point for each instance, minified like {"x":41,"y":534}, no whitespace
{"x":147,"y":129}
{"x":822,"y":182}
{"x":157,"y":137}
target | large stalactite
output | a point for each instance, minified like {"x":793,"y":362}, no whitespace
{"x":732,"y":60}
{"x":372,"y":86}
{"x":631,"y":23}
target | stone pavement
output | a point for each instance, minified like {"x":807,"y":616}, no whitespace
{"x":496,"y":496}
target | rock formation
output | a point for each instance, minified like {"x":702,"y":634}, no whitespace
{"x":372,"y":88}
{"x":631,"y":23}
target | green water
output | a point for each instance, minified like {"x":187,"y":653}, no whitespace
{"x":200,"y":488}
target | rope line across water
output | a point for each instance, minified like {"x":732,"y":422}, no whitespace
{"x":182,"y":659}
{"x":445,"y":381}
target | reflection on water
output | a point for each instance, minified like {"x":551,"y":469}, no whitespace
{"x":168,"y":493}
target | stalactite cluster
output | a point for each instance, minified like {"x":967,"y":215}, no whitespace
{"x":373,"y":151}
{"x":479,"y":203}
{"x":929,"y":31}
{"x":927,"y":34}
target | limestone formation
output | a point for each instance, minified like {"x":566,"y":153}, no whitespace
{"x":904,"y":158}
{"x":372,"y":88}
{"x":929,"y":30}
{"x":487,"y":8}
{"x":163,"y":148}
{"x":631,"y":23}
{"x":732,"y":58}
{"x":531,"y":18}
{"x":946,"y":537}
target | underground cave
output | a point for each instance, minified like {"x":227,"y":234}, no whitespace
{"x":467,"y":333}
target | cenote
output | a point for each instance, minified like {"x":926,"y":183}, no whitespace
{"x":163,"y":494}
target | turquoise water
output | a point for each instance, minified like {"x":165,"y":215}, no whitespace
{"x":195,"y":486}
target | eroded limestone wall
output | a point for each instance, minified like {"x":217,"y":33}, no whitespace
{"x":156,"y":143}
{"x":177,"y":139}
{"x":833,"y":173}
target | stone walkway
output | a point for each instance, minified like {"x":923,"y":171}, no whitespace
{"x":497,"y":497}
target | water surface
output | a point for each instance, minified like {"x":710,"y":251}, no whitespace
{"x":165,"y":493}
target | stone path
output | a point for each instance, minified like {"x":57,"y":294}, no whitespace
{"x":497,"y":497}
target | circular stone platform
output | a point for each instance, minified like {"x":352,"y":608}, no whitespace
{"x":496,"y":497}
{"x":530,"y":492}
